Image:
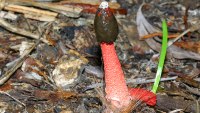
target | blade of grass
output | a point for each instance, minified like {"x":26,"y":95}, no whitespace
{"x":162,"y":56}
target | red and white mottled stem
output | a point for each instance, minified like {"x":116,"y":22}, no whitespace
{"x":116,"y":89}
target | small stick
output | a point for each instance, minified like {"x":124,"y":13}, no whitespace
{"x":23,"y":32}
{"x":8,"y":73}
{"x":198,"y":108}
{"x":67,"y":10}
{"x":32,"y":13}
{"x":144,"y":81}
{"x":158,"y":34}
{"x":8,"y":15}
{"x":113,"y":5}
{"x":134,"y":81}
{"x":194,"y":28}
{"x":175,"y":39}
{"x":19,"y":62}
{"x":13,"y":98}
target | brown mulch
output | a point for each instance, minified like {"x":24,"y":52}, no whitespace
{"x":50,"y":61}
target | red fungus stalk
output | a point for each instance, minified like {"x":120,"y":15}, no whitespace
{"x":106,"y":29}
{"x":116,"y":89}
{"x":117,"y":92}
{"x":143,"y":95}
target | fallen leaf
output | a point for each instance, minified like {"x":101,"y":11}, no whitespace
{"x":189,"y":45}
{"x":145,"y":28}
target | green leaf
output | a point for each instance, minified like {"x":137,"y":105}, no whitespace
{"x":162,"y":56}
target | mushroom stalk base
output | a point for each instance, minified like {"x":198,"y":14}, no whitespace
{"x":116,"y":90}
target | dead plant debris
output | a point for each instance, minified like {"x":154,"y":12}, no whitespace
{"x":51,"y":62}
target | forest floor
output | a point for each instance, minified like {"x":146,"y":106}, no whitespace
{"x":50,"y":61}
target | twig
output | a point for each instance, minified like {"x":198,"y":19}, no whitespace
{"x":68,"y":10}
{"x":132,"y":81}
{"x":16,"y":30}
{"x":62,"y":47}
{"x":192,"y":90}
{"x":198,"y":108}
{"x":168,"y":3}
{"x":8,"y":73}
{"x":193,"y":28}
{"x":158,"y":34}
{"x":18,"y":64}
{"x":144,"y":81}
{"x":176,"y":111}
{"x":113,"y":5}
{"x":8,"y":15}
{"x":13,"y":98}
{"x":33,"y":13}
{"x":174,"y":40}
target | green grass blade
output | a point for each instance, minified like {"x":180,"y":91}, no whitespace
{"x":162,"y":57}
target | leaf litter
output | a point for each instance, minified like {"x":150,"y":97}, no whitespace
{"x":28,"y":78}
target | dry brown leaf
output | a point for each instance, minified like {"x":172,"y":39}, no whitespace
{"x":53,"y":96}
{"x":145,"y":28}
{"x":7,"y":86}
{"x":192,"y":46}
{"x":158,"y":34}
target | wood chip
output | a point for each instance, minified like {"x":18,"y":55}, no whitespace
{"x":33,"y":13}
{"x":67,"y":10}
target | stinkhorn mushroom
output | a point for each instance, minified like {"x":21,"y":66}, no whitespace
{"x":106,"y":29}
{"x":117,"y":92}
